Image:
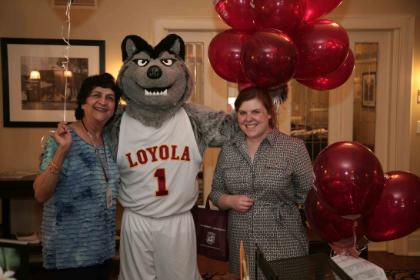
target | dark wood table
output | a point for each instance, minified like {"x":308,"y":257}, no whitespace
{"x":13,"y":188}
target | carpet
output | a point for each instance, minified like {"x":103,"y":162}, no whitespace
{"x":403,"y":275}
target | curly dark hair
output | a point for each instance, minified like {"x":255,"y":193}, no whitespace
{"x":104,"y":80}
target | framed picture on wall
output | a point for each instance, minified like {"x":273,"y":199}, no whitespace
{"x":369,"y":89}
{"x":37,"y":91}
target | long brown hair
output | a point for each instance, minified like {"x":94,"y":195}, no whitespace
{"x":263,"y":96}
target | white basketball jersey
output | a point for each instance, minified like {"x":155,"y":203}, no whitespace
{"x":158,"y":166}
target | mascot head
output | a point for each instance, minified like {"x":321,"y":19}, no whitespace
{"x":155,"y":81}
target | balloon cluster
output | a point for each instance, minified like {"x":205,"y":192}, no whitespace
{"x":272,"y":41}
{"x":353,"y":198}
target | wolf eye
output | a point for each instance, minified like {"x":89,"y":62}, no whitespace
{"x":141,"y":62}
{"x":167,"y":61}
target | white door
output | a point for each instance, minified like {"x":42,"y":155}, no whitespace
{"x":342,"y":101}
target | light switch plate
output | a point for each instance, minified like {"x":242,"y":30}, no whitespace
{"x":418,"y":127}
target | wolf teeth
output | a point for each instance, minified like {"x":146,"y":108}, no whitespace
{"x":156,"y":93}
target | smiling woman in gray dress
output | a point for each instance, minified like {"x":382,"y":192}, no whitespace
{"x":261,"y":176}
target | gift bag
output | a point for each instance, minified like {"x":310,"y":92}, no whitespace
{"x":211,"y":231}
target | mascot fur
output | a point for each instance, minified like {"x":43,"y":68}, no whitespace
{"x":158,"y":140}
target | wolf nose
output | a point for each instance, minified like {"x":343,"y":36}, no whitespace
{"x":154,"y":72}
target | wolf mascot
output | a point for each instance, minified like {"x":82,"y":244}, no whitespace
{"x":159,"y":141}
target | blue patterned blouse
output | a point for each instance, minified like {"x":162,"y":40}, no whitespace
{"x":77,"y":228}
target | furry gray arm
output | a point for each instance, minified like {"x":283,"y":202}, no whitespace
{"x":211,"y":128}
{"x":113,"y":129}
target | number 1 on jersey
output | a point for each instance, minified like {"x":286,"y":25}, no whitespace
{"x":161,"y":178}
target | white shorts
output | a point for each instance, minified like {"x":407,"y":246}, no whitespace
{"x":163,"y":248}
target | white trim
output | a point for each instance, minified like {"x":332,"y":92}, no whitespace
{"x":163,"y":26}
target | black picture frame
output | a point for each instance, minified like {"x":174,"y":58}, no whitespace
{"x":369,"y":89}
{"x":40,"y":102}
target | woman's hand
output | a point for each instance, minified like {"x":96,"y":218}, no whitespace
{"x":240,"y":203}
{"x":46,"y":182}
{"x":62,"y":136}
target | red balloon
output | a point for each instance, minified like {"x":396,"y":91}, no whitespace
{"x":284,"y":15}
{"x":225,"y":55}
{"x":322,"y":47}
{"x":238,"y":14}
{"x":334,"y":79}
{"x":269,"y":58}
{"x":349,"y":179}
{"x":242,"y":86}
{"x":337,"y":231}
{"x":397,"y":213}
{"x":317,"y":8}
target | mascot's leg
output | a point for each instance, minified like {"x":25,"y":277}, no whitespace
{"x":175,"y":250}
{"x":136,"y":248}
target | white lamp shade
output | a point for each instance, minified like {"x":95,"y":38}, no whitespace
{"x":35,"y":75}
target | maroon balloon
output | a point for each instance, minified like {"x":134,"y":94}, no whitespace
{"x":317,"y":8}
{"x":349,"y":179}
{"x":334,"y":79}
{"x":238,"y":14}
{"x":332,"y":228}
{"x":397,"y":213}
{"x":225,"y":54}
{"x":269,"y":58}
{"x":322,"y":47}
{"x":242,"y":86}
{"x":284,"y":15}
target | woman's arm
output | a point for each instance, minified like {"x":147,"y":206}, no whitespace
{"x":303,"y":174}
{"x":46,"y":182}
{"x":220,"y":196}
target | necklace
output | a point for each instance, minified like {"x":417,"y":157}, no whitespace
{"x":104,"y":163}
{"x":89,"y":134}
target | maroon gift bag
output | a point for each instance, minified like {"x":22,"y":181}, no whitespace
{"x":211,"y":231}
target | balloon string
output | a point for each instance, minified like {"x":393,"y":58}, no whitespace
{"x":354,"y":235}
{"x":65,"y":33}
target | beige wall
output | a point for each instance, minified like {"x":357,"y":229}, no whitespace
{"x":112,"y":20}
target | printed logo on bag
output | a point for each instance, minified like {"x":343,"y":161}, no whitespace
{"x":210,"y":238}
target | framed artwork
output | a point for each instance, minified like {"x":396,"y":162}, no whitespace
{"x":36,"y":90}
{"x":369,"y":89}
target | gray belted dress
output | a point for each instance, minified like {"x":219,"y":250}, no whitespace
{"x":278,"y":178}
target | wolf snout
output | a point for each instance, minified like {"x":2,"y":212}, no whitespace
{"x":154,"y":72}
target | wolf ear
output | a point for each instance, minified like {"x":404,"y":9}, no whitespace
{"x":173,"y":44}
{"x":133,"y":44}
